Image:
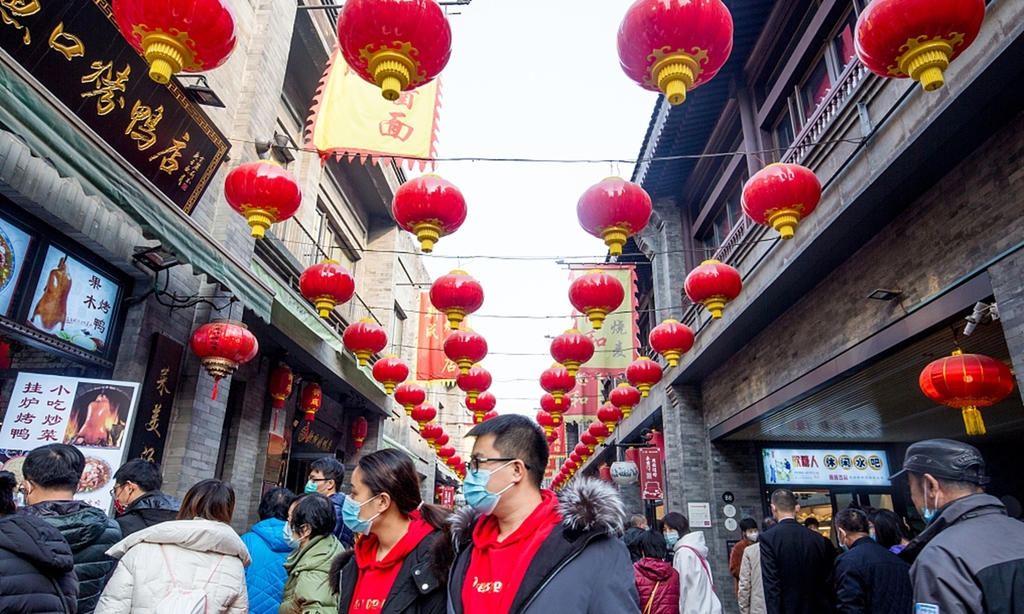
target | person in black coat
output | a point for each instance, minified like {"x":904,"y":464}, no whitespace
{"x":869,"y":578}
{"x":637,"y":528}
{"x":796,"y":563}
{"x":36,"y":567}
{"x":138,"y":502}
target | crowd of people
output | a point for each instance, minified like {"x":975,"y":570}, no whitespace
{"x":514,"y":548}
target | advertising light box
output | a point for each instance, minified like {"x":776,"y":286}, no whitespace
{"x":826,"y":467}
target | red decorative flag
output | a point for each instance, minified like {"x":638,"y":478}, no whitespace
{"x":431,"y":363}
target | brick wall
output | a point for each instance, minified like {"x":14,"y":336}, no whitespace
{"x":1008,"y":286}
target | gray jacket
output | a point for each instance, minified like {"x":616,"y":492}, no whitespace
{"x":970,"y":560}
{"x":581,"y":568}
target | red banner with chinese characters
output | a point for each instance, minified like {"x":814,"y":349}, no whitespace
{"x":557,"y":447}
{"x":554,"y":462}
{"x":651,"y":484}
{"x":431,"y":363}
{"x":445,"y":496}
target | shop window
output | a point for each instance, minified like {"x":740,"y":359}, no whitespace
{"x":842,"y":43}
{"x":730,"y":214}
{"x":815,"y":88}
{"x":784,"y":131}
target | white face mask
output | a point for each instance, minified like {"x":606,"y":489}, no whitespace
{"x":753,"y":535}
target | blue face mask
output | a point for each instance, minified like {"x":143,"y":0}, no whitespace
{"x":929,"y":513}
{"x":350,"y":515}
{"x":671,"y":538}
{"x":289,"y":537}
{"x":310,"y":487}
{"x":474,"y":488}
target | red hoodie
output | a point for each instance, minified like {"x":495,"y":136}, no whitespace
{"x":650,"y":572}
{"x":377,"y":577}
{"x":496,"y":568}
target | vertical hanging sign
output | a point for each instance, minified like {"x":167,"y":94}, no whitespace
{"x":156,"y":400}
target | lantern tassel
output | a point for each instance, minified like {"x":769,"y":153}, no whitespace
{"x":216,"y":382}
{"x":973,"y":421}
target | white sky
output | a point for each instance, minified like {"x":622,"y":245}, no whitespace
{"x":533,"y":79}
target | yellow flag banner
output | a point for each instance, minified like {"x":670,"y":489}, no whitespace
{"x":351,"y":119}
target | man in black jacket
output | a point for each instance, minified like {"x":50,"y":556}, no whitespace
{"x":796,"y":563}
{"x":138,"y":502}
{"x":637,"y":527}
{"x":869,"y":578}
{"x":51,"y":478}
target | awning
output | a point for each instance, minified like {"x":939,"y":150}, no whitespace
{"x":58,"y":138}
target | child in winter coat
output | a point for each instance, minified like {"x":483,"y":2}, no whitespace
{"x":656,"y":580}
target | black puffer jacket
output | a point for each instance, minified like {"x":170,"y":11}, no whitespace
{"x":90,"y":534}
{"x":151,"y":508}
{"x":36,"y":568}
{"x":869,"y":578}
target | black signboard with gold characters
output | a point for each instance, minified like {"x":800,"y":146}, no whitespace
{"x":74,"y":49}
{"x":149,"y":436}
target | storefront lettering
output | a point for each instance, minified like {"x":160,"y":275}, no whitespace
{"x":161,"y":382}
{"x":105,"y":86}
{"x":67,"y":44}
{"x":32,"y":388}
{"x":47,"y":435}
{"x":147,"y":454}
{"x":144,"y":133}
{"x":19,"y":434}
{"x":18,"y":8}
{"x":317,"y":440}
{"x":169,"y":157}
{"x":154,"y":420}
{"x":25,"y":418}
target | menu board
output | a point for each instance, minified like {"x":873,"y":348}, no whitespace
{"x":92,"y":415}
{"x":14,"y":244}
{"x":826,"y":467}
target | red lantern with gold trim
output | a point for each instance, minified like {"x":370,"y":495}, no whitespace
{"x":671,"y":339}
{"x":465,"y":348}
{"x":610,"y":415}
{"x":713,"y":284}
{"x":483,"y":403}
{"x":674,"y":46}
{"x":599,"y":431}
{"x":446,"y":452}
{"x":188,"y":36}
{"x":454,"y":462}
{"x":553,"y":407}
{"x":263,"y":193}
{"x":327,"y":285}
{"x":780,"y":195}
{"x":312,"y":399}
{"x":430,"y":208}
{"x":431,"y":431}
{"x":644,"y":373}
{"x":614,"y":210}
{"x":967,"y":382}
{"x":490,"y":415}
{"x":360,"y":427}
{"x":571,"y":466}
{"x":390,"y":371}
{"x":423,"y":413}
{"x":571,"y":349}
{"x":917,"y":38}
{"x":281,"y":381}
{"x":596,"y":294}
{"x":409,"y":396}
{"x":475,"y":382}
{"x":442,"y":440}
{"x":546,"y":421}
{"x":223,"y":345}
{"x":557,"y":381}
{"x":582,"y":451}
{"x":397,"y":45}
{"x":625,"y":397}
{"x":589,"y":440}
{"x":576,"y":459}
{"x":457,"y":295}
{"x":364,"y":339}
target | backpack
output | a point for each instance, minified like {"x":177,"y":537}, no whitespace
{"x":184,"y":601}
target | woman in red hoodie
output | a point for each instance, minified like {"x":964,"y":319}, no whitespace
{"x":403,"y":552}
{"x":656,"y":580}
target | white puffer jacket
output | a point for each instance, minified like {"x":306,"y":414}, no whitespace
{"x":198,"y":550}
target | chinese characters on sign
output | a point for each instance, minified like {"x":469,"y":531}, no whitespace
{"x":431,"y":362}
{"x":156,"y":399}
{"x":83,"y":60}
{"x":650,"y":474}
{"x":822,"y":467}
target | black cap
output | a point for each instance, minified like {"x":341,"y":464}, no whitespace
{"x":946,"y":459}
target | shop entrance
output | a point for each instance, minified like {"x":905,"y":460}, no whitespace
{"x":824,"y":504}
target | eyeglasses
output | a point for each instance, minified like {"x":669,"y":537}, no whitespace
{"x":312,"y":479}
{"x":475,"y":462}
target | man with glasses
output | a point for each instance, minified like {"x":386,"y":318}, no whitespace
{"x":325,"y":477}
{"x":520,"y":549}
{"x":138,"y":501}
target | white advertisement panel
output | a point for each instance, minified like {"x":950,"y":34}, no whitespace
{"x":826,"y":467}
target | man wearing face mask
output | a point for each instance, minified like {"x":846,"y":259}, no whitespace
{"x":138,"y":502}
{"x":970,"y":558}
{"x":521,"y":549}
{"x":750,"y":536}
{"x":869,"y":578}
{"x":308,"y":532}
{"x":325,"y":477}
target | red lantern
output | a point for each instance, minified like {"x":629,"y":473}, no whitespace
{"x":589,"y":440}
{"x":327,"y":285}
{"x":473,"y":383}
{"x":312,"y":398}
{"x":917,"y":38}
{"x":398,"y":45}
{"x":359,"y":429}
{"x":596,"y":294}
{"x":582,"y":450}
{"x":610,"y":415}
{"x":557,"y":381}
{"x":967,"y":382}
{"x":491,"y":414}
{"x":364,"y":339}
{"x":780,"y":195}
{"x":223,"y":345}
{"x":713,"y":284}
{"x":576,"y":458}
{"x":553,"y":407}
{"x":571,"y":465}
{"x":390,"y":371}
{"x":643,"y":374}
{"x":431,"y":431}
{"x":189,"y":36}
{"x":605,"y":473}
{"x":599,"y":431}
{"x":674,"y":46}
{"x":263,"y":193}
{"x":454,"y":462}
{"x":465,"y":348}
{"x":423,"y":413}
{"x":446,"y":452}
{"x":671,"y":339}
{"x":409,"y":396}
{"x":614,"y":210}
{"x":281,"y":381}
{"x":430,"y":208}
{"x":457,"y":295}
{"x":572,"y":348}
{"x":545,"y":420}
{"x":625,"y":397}
{"x":442,"y":441}
{"x":483,"y":403}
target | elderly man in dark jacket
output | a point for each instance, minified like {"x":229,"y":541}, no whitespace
{"x":869,"y":578}
{"x":51,"y":477}
{"x":637,"y":529}
{"x":524,"y":550}
{"x":970,"y":558}
{"x":138,"y":502}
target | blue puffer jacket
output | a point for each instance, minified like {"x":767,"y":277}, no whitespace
{"x":266,"y":576}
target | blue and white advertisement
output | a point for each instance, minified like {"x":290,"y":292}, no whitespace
{"x":826,"y":467}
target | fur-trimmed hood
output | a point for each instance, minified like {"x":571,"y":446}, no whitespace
{"x":585,"y":504}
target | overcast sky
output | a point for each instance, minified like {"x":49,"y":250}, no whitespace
{"x":531,"y":79}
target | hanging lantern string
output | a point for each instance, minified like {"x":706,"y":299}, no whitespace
{"x":598,"y":351}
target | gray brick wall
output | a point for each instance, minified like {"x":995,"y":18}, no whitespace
{"x":1008,"y":287}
